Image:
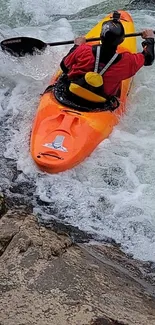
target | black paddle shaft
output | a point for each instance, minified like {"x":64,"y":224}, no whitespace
{"x":20,"y":46}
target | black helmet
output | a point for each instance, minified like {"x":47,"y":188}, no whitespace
{"x":112,"y":32}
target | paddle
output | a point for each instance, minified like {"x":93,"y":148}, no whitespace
{"x":19,"y":46}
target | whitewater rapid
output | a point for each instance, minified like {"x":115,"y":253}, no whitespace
{"x":111,"y":194}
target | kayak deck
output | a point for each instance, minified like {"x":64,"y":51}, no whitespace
{"x":74,"y":102}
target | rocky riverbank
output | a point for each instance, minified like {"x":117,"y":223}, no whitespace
{"x":45,"y":279}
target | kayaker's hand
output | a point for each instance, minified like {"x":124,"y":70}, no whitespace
{"x":79,"y":40}
{"x":147,"y":33}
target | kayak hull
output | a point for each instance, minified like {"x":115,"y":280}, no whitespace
{"x":62,"y":137}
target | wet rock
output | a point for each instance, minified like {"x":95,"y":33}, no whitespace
{"x":2,"y":204}
{"x":44,"y":279}
{"x":105,"y":321}
{"x":9,"y":227}
{"x":143,"y":1}
{"x":22,"y":232}
{"x":142,"y":4}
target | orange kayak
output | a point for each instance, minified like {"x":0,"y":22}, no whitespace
{"x":62,"y":136}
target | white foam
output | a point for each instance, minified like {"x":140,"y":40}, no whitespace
{"x":41,"y":10}
{"x":111,"y":194}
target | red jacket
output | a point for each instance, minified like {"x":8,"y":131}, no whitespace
{"x":82,"y":60}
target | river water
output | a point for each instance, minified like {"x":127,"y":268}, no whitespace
{"x":110,"y":196}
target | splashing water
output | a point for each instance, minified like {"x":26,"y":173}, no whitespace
{"x":111,"y":194}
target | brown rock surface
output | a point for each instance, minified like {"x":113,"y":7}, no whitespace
{"x":44,"y":280}
{"x":2,"y":204}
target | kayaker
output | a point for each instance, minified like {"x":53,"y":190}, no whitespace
{"x":78,"y":65}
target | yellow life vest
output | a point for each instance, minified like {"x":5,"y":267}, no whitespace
{"x":90,"y":86}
